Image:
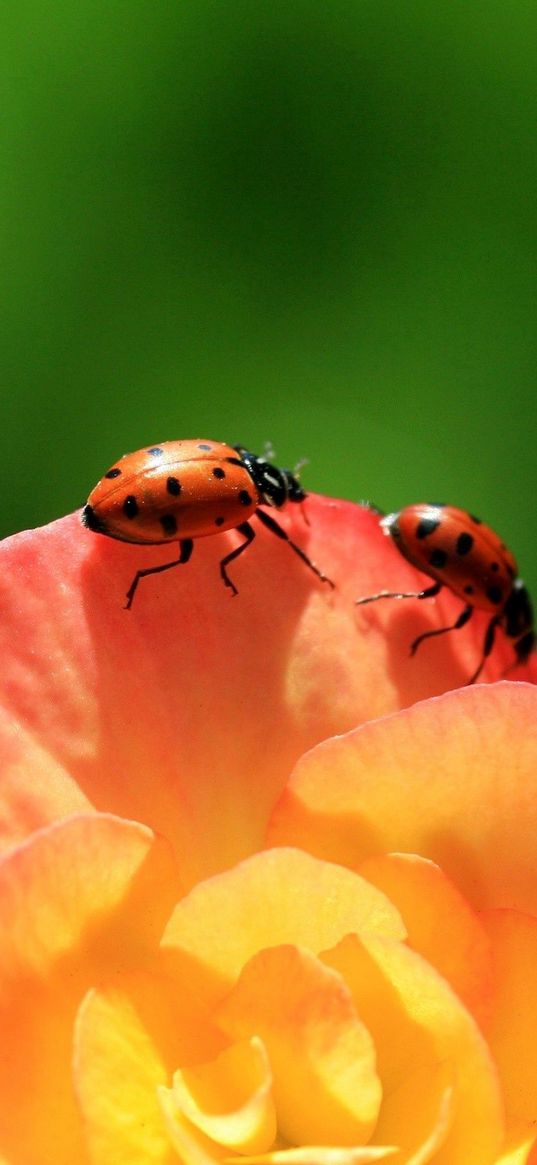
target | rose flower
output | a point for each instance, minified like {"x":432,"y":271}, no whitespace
{"x":268,"y":885}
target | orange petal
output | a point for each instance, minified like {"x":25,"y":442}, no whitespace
{"x":520,"y":1144}
{"x":230,"y":1098}
{"x":117,"y":1071}
{"x":440,"y":925}
{"x":92,"y":882}
{"x":417,"y":1023}
{"x":277,"y":896}
{"x":140,"y":706}
{"x":322,"y":1057}
{"x":84,"y":897}
{"x":512,"y":1031}
{"x":453,"y":779}
{"x":36,"y":789}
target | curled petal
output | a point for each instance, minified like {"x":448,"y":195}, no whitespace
{"x":321,"y":1055}
{"x":230,"y":1098}
{"x":417,"y":1023}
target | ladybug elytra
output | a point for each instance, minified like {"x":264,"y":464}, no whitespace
{"x":461,"y":553}
{"x":181,"y":490}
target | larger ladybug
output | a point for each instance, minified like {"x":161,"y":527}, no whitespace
{"x":461,"y":553}
{"x":182,"y":490}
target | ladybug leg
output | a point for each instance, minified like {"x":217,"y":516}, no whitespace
{"x":487,"y":648}
{"x":275,"y":527}
{"x":185,"y":550}
{"x":248,"y":534}
{"x":463,"y":618}
{"x":428,"y":593}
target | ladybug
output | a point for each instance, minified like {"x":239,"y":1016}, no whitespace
{"x":461,"y":553}
{"x":182,"y":490}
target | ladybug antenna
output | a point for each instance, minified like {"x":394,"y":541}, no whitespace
{"x":300,"y":465}
{"x":269,"y":451}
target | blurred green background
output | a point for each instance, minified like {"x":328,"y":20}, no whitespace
{"x":305,"y":222}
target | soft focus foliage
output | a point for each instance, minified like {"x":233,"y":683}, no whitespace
{"x":308,"y":223}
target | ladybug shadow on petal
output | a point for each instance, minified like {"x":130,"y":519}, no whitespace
{"x":446,"y":661}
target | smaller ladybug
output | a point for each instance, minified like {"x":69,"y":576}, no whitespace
{"x":463,"y":554}
{"x":182,"y":490}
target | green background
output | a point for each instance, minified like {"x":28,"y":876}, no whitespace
{"x":309,"y":223}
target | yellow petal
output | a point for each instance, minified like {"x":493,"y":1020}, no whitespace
{"x":80,"y":899}
{"x":265,"y":901}
{"x":512,"y":1032}
{"x":440,"y":924}
{"x":325,"y":1083}
{"x":417,"y":1022}
{"x":230,"y":1099}
{"x":117,"y":1070}
{"x":320,"y":1155}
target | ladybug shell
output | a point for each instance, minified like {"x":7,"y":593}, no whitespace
{"x":179,"y":489}
{"x":458,"y":550}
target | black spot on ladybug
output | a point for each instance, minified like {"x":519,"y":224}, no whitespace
{"x":511,"y":572}
{"x":495,"y":594}
{"x":495,"y":566}
{"x":427,"y":526}
{"x":169,"y":524}
{"x":219,"y":521}
{"x":155,"y":451}
{"x":219,"y":473}
{"x":464,"y":544}
{"x":438,"y":558}
{"x":173,"y":486}
{"x":245,"y":498}
{"x":235,"y":461}
{"x":473,"y":518}
{"x":469,"y":590}
{"x":113,"y":473}
{"x":130,"y":507}
{"x":205,"y":448}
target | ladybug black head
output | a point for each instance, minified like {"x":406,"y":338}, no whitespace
{"x":517,"y":620}
{"x":276,"y":486}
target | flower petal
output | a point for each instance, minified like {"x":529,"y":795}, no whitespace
{"x":78,"y":900}
{"x":230,"y":1098}
{"x":321,"y":1155}
{"x":453,"y":779}
{"x":36,"y":789}
{"x":93,"y":883}
{"x":440,"y":924}
{"x":267,"y":901}
{"x":512,"y":1031}
{"x":143,"y":713}
{"x":417,"y":1023}
{"x":321,"y":1056}
{"x":117,"y":1071}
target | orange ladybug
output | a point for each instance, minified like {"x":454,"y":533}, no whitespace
{"x":461,"y":553}
{"x":182,"y":490}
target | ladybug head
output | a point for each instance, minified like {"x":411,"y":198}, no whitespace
{"x":517,"y":620}
{"x":276,"y":486}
